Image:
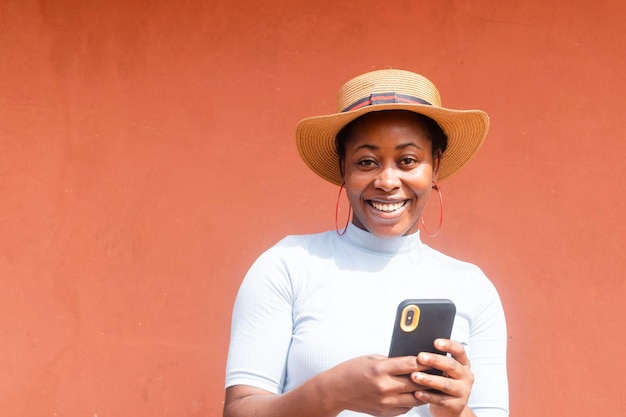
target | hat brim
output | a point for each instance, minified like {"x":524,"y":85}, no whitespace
{"x":466,"y":131}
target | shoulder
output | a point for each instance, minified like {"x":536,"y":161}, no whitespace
{"x":464,"y":274}
{"x":447,"y":262}
{"x":474,"y":294}
{"x":307,"y":240}
{"x":293,"y":245}
{"x":293,"y":250}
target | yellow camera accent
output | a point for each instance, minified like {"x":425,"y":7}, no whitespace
{"x":410,"y":318}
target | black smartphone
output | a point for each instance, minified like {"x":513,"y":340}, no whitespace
{"x":418,"y":323}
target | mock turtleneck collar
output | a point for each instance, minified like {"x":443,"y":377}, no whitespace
{"x":391,"y":246}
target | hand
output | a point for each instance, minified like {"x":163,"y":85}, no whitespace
{"x":452,"y":389}
{"x":374,"y":385}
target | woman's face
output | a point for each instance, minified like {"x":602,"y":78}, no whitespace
{"x":388,"y":172}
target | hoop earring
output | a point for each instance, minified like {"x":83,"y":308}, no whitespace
{"x":337,"y":213}
{"x":436,"y":188}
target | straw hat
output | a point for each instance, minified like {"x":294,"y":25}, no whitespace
{"x":390,"y":90}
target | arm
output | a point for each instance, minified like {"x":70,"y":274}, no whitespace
{"x":369,"y":384}
{"x":244,"y":400}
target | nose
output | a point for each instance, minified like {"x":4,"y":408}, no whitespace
{"x":387,"y":180}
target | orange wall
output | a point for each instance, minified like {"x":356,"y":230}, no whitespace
{"x":147,"y":157}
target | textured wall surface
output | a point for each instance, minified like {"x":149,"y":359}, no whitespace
{"x":147,"y":157}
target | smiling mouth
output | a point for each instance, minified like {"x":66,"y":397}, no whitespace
{"x":388,"y":207}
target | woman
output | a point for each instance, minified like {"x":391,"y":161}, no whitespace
{"x":313,"y":319}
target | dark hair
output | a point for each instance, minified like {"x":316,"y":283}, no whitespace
{"x":433,"y":131}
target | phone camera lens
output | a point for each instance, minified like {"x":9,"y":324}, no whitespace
{"x":409,"y":317}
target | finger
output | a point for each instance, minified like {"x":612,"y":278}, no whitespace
{"x":448,"y":365}
{"x":432,"y":397}
{"x":454,"y":348}
{"x":397,"y":369}
{"x":443,"y":402}
{"x":436,"y":384}
{"x":403,"y":365}
{"x":439,"y":362}
{"x":405,"y":384}
{"x":410,"y":400}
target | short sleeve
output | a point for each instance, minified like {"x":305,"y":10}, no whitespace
{"x":488,"y":344}
{"x":261,"y":325}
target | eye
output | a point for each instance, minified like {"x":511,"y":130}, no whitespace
{"x":408,"y":161}
{"x":367,"y":163}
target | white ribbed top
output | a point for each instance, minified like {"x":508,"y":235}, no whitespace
{"x":311,"y":302}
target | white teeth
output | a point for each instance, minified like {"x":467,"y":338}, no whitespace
{"x":386,"y":207}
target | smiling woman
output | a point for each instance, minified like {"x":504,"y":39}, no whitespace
{"x":313,"y":318}
{"x":389,"y":170}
